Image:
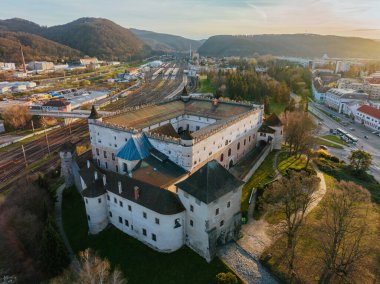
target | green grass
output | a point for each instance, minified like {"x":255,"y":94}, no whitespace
{"x":264,"y":174}
{"x":205,"y":85}
{"x":277,"y":108}
{"x":139,"y":263}
{"x":290,"y":163}
{"x":335,"y":139}
{"x":341,"y":171}
{"x":328,"y":144}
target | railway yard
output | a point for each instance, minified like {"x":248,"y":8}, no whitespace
{"x":41,"y":153}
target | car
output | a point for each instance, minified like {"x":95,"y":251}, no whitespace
{"x":352,"y":129}
{"x":375,"y":132}
{"x":323,"y":147}
{"x":365,"y":136}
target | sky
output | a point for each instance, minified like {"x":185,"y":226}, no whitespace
{"x":199,"y":19}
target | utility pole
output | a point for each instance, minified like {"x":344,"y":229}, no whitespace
{"x":47,"y":141}
{"x":32,"y":125}
{"x":23,"y":151}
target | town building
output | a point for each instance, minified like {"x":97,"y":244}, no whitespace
{"x":373,"y":89}
{"x":337,"y":99}
{"x":160,"y":173}
{"x":40,"y":66}
{"x":369,"y":117}
{"x":7,"y":66}
{"x":88,"y":61}
{"x":56,"y":105}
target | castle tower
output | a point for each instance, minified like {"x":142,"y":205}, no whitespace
{"x":67,"y":154}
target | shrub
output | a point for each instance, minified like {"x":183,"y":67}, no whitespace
{"x":226,"y":278}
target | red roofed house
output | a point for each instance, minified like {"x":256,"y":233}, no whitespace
{"x":368,"y":116}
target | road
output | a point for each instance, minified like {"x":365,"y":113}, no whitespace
{"x":371,"y":145}
{"x":12,"y":160}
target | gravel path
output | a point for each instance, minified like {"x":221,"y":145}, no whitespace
{"x":245,"y":265}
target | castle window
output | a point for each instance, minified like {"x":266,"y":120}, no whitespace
{"x":144,"y":232}
{"x":245,"y":140}
{"x":110,"y":214}
{"x":249,"y":139}
{"x":154,"y":238}
{"x":105,"y":154}
{"x":157,"y":221}
{"x":238,"y":146}
{"x":222,"y":223}
{"x":130,"y":208}
{"x":197,"y":128}
{"x":106,"y":165}
{"x":229,"y":152}
{"x":126,"y":222}
{"x":86,"y":201}
{"x":113,"y":156}
{"x":191,"y":208}
{"x":114,"y":137}
{"x":217,"y":211}
{"x":228,"y":204}
{"x":126,"y":139}
{"x":88,"y":217}
{"x":97,"y":151}
{"x":99,"y":200}
{"x":144,"y":215}
{"x":191,"y":223}
{"x":222,"y":157}
{"x":121,"y":203}
{"x":226,"y":143}
{"x":120,"y":220}
{"x":115,"y":200}
{"x":108,"y":197}
{"x":117,"y":168}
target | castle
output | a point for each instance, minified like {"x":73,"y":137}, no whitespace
{"x":160,"y":174}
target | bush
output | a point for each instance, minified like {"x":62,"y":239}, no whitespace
{"x":226,"y":278}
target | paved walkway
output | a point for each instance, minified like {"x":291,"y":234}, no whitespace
{"x":247,"y":267}
{"x":58,"y":221}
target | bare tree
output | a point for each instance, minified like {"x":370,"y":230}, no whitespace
{"x":92,"y":269}
{"x":16,"y":116}
{"x":342,"y":232}
{"x":292,"y":196}
{"x":298,"y":128}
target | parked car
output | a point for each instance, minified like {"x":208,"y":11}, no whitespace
{"x":352,"y":129}
{"x":365,"y":136}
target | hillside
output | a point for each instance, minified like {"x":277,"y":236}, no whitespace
{"x":92,"y":36}
{"x":297,"y":45}
{"x":34,"y":47}
{"x":167,"y":42}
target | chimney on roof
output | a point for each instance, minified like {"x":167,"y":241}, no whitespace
{"x":119,"y":186}
{"x":96,"y":175}
{"x":88,"y":164}
{"x":104,"y":180}
{"x":136,"y":190}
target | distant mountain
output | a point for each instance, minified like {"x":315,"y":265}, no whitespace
{"x":167,"y":42}
{"x":297,"y":45}
{"x":92,"y":36}
{"x":34,"y":48}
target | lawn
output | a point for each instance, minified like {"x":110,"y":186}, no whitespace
{"x":290,"y":163}
{"x":308,"y":252}
{"x":341,"y":171}
{"x":139,"y":263}
{"x":277,"y":108}
{"x":264,"y":174}
{"x":329,"y":144}
{"x":205,"y":85}
{"x":335,"y":139}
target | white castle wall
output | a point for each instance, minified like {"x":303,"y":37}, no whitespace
{"x":168,"y":238}
{"x":97,"y":215}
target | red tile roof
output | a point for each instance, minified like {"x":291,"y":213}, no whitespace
{"x":373,"y":80}
{"x":371,"y":111}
